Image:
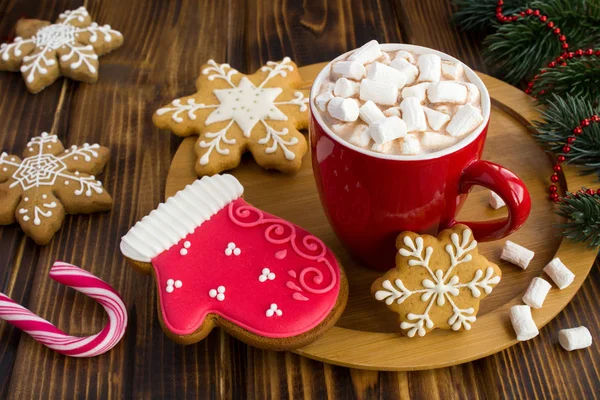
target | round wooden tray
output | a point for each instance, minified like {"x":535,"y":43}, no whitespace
{"x":366,"y":336}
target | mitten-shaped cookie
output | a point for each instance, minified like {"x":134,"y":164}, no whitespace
{"x":218,"y":261}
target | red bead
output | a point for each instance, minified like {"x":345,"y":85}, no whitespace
{"x":560,"y":158}
{"x":536,"y":13}
{"x":542,"y":92}
{"x":528,"y":90}
{"x":589,"y":52}
{"x":529,"y":11}
{"x":554,"y":196}
{"x":500,"y":2}
{"x":556,"y":31}
{"x":590,"y":191}
{"x":530,"y":84}
{"x":543,"y":18}
{"x":565,"y":46}
{"x":595,"y":118}
{"x":543,"y":71}
{"x":522,"y":13}
{"x":553,"y":188}
{"x":563,"y":64}
{"x":499,"y":10}
{"x":550,"y":24}
{"x":562,"y":38}
{"x":499,"y":16}
{"x":598,"y":192}
{"x":554,"y":178}
{"x":552,"y":64}
{"x":557,"y":168}
{"x":579,"y":53}
{"x":585,"y":122}
{"x":569,"y":55}
{"x":571,"y":139}
{"x":598,"y":53}
{"x":566,"y":149}
{"x":577,"y":130}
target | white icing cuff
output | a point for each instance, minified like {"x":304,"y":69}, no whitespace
{"x":179,"y":216}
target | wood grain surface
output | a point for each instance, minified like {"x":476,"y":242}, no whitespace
{"x":165,"y":44}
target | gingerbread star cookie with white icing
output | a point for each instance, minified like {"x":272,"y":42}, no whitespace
{"x":70,"y":47}
{"x":38,"y":190}
{"x":233,"y":113}
{"x":220,"y":262}
{"x":437,"y":282}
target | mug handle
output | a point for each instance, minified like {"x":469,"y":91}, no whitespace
{"x":508,"y":186}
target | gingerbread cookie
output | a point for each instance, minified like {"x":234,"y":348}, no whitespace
{"x":70,"y":48}
{"x":48,"y":182}
{"x":437,"y":282}
{"x":233,"y":113}
{"x":219,"y":262}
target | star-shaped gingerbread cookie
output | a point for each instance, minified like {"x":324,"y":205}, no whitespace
{"x":233,"y":113}
{"x":70,"y":47}
{"x":437,"y":282}
{"x":48,"y":182}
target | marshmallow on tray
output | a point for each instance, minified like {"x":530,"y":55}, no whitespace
{"x":410,"y":145}
{"x":516,"y":254}
{"x":496,"y":201}
{"x":435,"y":141}
{"x":413,"y":114}
{"x":466,"y":119}
{"x":343,"y":109}
{"x":348,"y":69}
{"x":386,"y":130}
{"x":378,"y":92}
{"x":369,"y":112}
{"x":447,"y":92}
{"x":367,"y":53}
{"x":382,"y":73}
{"x":430,"y":68}
{"x":523,"y":323}
{"x":575,"y":338}
{"x":436,"y":119}
{"x":345,"y":88}
{"x":559,"y":273}
{"x":407,"y":69}
{"x":417,"y":91}
{"x":536,"y":292}
{"x":452,"y":70}
{"x":360,"y":136}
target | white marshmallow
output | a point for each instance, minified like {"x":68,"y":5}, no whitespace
{"x":386,"y":130}
{"x":367,"y":53}
{"x":436,"y":141}
{"x":430,"y":68}
{"x":444,"y":109}
{"x":410,"y":71}
{"x":406,"y":55}
{"x":327,"y":87}
{"x":385,"y":58}
{"x":378,"y":92}
{"x":410,"y":145}
{"x":436,"y":119}
{"x":384,"y":74}
{"x":413,"y":115}
{"x":417,"y":91}
{"x":516,"y":254}
{"x":523,"y":323}
{"x":345,"y":88}
{"x":575,"y":338}
{"x":496,"y":201}
{"x":388,"y":112}
{"x":360,"y":137}
{"x":452,"y":70}
{"x":447,"y":92}
{"x":322,"y":100}
{"x":466,"y":119}
{"x":536,"y":292}
{"x":559,"y":273}
{"x":369,"y":112}
{"x":341,"y":128}
{"x":382,"y":148}
{"x":348,"y":69}
{"x":474,"y":95}
{"x":343,"y":109}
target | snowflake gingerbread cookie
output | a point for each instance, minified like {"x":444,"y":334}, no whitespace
{"x":233,"y":113}
{"x":220,"y":262}
{"x":437,"y":282}
{"x":70,"y":47}
{"x":48,"y":182}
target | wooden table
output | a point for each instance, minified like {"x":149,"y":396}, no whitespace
{"x":165,"y":44}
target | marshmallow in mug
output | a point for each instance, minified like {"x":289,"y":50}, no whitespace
{"x":399,"y":102}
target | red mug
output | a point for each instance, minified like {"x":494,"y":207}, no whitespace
{"x":370,"y":197}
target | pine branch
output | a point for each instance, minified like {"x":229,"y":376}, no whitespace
{"x":558,"y":121}
{"x":583,"y":212}
{"x":481,"y":14}
{"x":518,"y":49}
{"x":579,"y":78}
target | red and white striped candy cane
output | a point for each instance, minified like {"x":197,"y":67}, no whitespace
{"x":52,"y":337}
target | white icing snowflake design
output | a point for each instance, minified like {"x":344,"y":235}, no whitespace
{"x":73,"y":38}
{"x":442,"y":287}
{"x":243,"y":103}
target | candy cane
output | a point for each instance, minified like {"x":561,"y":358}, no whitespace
{"x":52,"y":337}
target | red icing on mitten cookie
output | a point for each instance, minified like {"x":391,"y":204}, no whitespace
{"x":214,"y":255}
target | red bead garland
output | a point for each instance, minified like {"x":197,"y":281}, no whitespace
{"x":559,"y":61}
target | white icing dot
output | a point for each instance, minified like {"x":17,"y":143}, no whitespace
{"x":26,"y":199}
{"x":49,"y":146}
{"x":169,"y":289}
{"x":75,"y":158}
{"x":178,"y":284}
{"x":183,"y":252}
{"x":25,"y":218}
{"x":170,"y":282}
{"x":4,"y":169}
{"x":187,"y":244}
{"x":212,"y":293}
{"x":44,"y":196}
{"x":66,"y":182}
